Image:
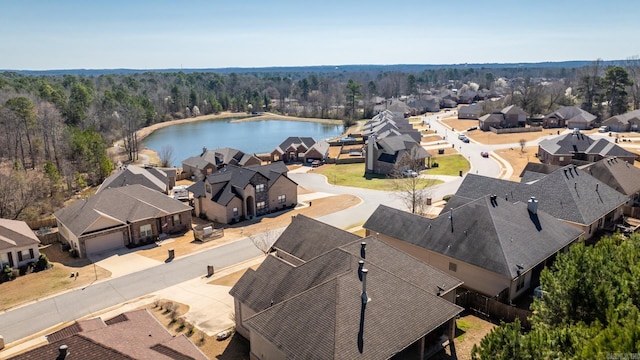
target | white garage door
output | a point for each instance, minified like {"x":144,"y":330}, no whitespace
{"x":104,"y":243}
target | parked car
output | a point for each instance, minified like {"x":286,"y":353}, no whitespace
{"x":315,"y":163}
{"x":465,"y":139}
{"x":462,"y":136}
{"x":484,"y":154}
{"x":603,"y":129}
{"x":409,"y":173}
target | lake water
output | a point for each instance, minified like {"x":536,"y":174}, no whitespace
{"x":251,"y":136}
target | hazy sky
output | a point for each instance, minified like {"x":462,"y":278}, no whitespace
{"x":68,"y":34}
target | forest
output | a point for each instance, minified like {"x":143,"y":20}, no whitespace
{"x":58,"y":129}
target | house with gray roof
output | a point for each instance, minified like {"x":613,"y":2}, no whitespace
{"x":154,"y":179}
{"x":236,"y":193}
{"x":622,"y":176}
{"x":571,"y":117}
{"x":578,"y":148}
{"x":626,"y":122}
{"x":496,"y":247}
{"x":118,"y":217}
{"x":132,"y":335}
{"x":509,"y":117}
{"x":300,"y":149}
{"x":383,"y":156}
{"x":18,"y":244}
{"x":209,"y":161}
{"x":569,"y":193}
{"x":361,"y":300}
{"x":472,"y":111}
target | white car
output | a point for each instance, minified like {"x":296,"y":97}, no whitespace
{"x":603,"y":129}
{"x":409,"y":173}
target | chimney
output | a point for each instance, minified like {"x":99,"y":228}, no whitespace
{"x":532,"y":205}
{"x":365,"y":298}
{"x":363,"y":249}
{"x":63,"y":351}
{"x":360,"y":267}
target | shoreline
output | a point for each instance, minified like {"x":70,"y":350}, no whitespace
{"x":153,"y":157}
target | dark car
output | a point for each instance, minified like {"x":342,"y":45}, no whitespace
{"x":484,"y":154}
{"x":465,"y":140}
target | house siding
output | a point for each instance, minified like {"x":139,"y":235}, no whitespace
{"x":26,"y":256}
{"x":243,"y":312}
{"x":474,"y":278}
{"x":81,"y":247}
{"x":282,"y":186}
{"x":262,"y":349}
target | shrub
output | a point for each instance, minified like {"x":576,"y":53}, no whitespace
{"x":7,"y":274}
{"x":42,"y":263}
{"x":447,"y":197}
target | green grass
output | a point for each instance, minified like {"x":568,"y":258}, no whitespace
{"x":449,"y":165}
{"x":353,"y":175}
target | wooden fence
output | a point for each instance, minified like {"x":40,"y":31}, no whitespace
{"x":42,"y":223}
{"x":493,"y":309}
{"x":516,"y":130}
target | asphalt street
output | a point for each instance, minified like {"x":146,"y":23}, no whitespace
{"x":43,"y":314}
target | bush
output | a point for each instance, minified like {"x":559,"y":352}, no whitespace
{"x":434,"y":164}
{"x":7,"y":274}
{"x":447,"y":197}
{"x":42,"y":263}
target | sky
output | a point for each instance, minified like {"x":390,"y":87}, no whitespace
{"x":161,"y":34}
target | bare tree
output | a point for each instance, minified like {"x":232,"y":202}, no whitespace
{"x":522,"y":142}
{"x":166,"y":155}
{"x":409,"y":186}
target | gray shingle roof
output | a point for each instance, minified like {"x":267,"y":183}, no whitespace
{"x":123,"y":204}
{"x":153,"y":179}
{"x":306,"y":238}
{"x":567,"y":193}
{"x":570,"y":112}
{"x":618,"y":174}
{"x":493,"y":235}
{"x":14,"y":233}
{"x":296,"y":141}
{"x":220,"y":157}
{"x":571,"y":143}
{"x":325,"y":292}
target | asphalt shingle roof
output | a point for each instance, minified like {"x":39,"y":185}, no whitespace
{"x":156,"y":179}
{"x":14,"y":233}
{"x":618,"y":174}
{"x":493,"y":235}
{"x":567,"y":193}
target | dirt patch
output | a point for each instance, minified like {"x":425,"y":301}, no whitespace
{"x":35,"y":286}
{"x":231,"y":279}
{"x":518,"y":159}
{"x":469,"y":331}
{"x":185,"y":244}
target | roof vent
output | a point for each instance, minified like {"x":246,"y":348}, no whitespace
{"x":364,"y":297}
{"x":363,"y":249}
{"x":360,"y":267}
{"x":596,"y":187}
{"x":532,"y":205}
{"x":63,"y":351}
{"x":520,"y":268}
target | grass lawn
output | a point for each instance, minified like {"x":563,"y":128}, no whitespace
{"x":353,"y":175}
{"x":449,"y":165}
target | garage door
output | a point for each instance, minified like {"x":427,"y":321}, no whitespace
{"x":104,"y":243}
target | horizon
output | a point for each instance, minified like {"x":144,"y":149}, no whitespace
{"x":146,"y":35}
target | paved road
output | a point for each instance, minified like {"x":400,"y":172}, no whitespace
{"x":35,"y":317}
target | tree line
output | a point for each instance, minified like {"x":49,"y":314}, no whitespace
{"x":57,"y":130}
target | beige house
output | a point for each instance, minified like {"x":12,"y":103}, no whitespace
{"x":119,"y":217}
{"x":18,"y":244}
{"x":300,"y":149}
{"x":579,"y":148}
{"x":495,"y":247}
{"x":233,"y":193}
{"x":361,"y":300}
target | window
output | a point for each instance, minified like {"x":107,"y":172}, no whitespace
{"x":176,"y":219}
{"x":235,"y":211}
{"x":520,"y":283}
{"x":31,"y":254}
{"x":282,"y":199}
{"x":145,"y":230}
{"x":259,"y":188}
{"x":19,"y":256}
{"x":276,"y":157}
{"x":453,"y":267}
{"x":261,"y":205}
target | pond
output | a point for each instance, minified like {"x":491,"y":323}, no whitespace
{"x":251,"y":137}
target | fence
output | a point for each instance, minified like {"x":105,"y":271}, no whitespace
{"x":516,"y":130}
{"x":493,"y":309}
{"x":42,"y":223}
{"x":183,"y":176}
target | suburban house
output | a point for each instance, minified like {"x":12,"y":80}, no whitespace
{"x":361,"y":300}
{"x":235,"y":193}
{"x":300,"y":149}
{"x":496,"y":247}
{"x":385,"y":155}
{"x":472,"y":111}
{"x":569,"y":194}
{"x":626,"y":122}
{"x":467,"y":97}
{"x":18,"y":244}
{"x":390,"y":123}
{"x":209,"y":161}
{"x":578,"y":148}
{"x":622,"y":176}
{"x":132,"y":335}
{"x":571,"y":117}
{"x":424,"y":104}
{"x":118,"y":217}
{"x":509,"y":117}
{"x":152,"y":178}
